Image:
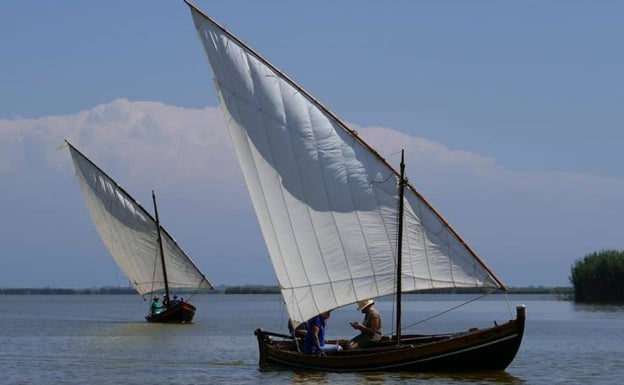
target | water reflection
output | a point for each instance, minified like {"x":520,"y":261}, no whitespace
{"x":601,"y":310}
{"x":319,"y":378}
{"x":486,"y":377}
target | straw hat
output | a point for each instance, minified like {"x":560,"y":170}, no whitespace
{"x":364,"y":304}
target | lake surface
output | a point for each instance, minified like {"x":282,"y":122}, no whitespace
{"x":103,"y":339}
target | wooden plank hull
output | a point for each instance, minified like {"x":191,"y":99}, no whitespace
{"x":475,"y":350}
{"x":181,"y":313}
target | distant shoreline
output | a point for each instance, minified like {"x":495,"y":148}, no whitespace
{"x":260,"y":289}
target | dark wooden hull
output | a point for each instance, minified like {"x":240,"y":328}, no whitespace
{"x":475,"y":350}
{"x":180,"y":313}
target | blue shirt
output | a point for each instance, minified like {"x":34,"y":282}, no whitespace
{"x":309,"y":345}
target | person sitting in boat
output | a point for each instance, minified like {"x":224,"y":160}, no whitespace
{"x":175,"y":301}
{"x":370,"y":328}
{"x":300,"y":331}
{"x":315,"y":337}
{"x":156,"y":307}
{"x":165,"y":301}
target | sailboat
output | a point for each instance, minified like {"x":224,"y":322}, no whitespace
{"x":149,"y":257}
{"x":341,"y":224}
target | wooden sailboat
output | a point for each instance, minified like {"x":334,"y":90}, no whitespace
{"x":341,"y":224}
{"x":144,"y":251}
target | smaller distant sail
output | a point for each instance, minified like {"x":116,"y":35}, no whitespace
{"x":130,"y":234}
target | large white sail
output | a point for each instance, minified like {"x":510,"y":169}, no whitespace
{"x":130,"y":234}
{"x":327,"y":203}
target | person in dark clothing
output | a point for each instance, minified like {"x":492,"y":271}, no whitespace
{"x":315,"y":337}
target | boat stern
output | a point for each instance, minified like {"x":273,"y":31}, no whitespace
{"x":263,"y":341}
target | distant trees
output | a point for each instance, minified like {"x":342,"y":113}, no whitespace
{"x":63,"y":291}
{"x":599,"y":277}
{"x":250,"y":289}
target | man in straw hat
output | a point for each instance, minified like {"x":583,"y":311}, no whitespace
{"x":370,"y":328}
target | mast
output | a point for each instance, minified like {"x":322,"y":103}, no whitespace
{"x":160,"y":246}
{"x":400,"y":248}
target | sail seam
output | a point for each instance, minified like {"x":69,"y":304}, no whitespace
{"x":382,"y":217}
{"x":300,"y":186}
{"x":256,"y":104}
{"x":326,"y":268}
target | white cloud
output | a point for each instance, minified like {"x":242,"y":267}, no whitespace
{"x":423,"y":151}
{"x":514,"y":219}
{"x":518,"y":220}
{"x":149,"y":141}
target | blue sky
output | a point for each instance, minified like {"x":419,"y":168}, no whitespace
{"x":510,"y":113}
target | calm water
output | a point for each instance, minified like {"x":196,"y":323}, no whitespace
{"x":103,"y":340}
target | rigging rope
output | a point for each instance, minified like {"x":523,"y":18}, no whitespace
{"x":448,"y":310}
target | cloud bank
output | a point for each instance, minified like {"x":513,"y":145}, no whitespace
{"x":528,"y":225}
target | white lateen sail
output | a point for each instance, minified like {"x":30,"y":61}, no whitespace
{"x":327,"y":203}
{"x":130,"y":234}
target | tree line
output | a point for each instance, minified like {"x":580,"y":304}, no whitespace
{"x":246,"y":289}
{"x":562,"y":291}
{"x":599,"y":277}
